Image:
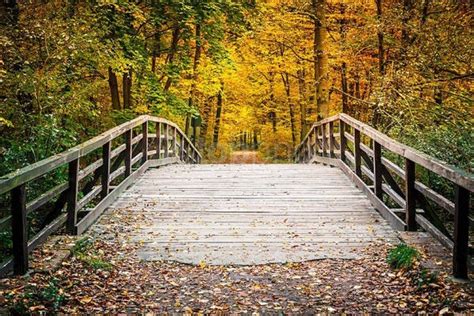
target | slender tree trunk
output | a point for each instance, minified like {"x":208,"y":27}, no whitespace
{"x":286,"y":82}
{"x":272,"y":114}
{"x":114,"y":93}
{"x":192,"y":93}
{"x":170,"y":57}
{"x":303,"y":110}
{"x":320,"y":56}
{"x":127,"y":89}
{"x":345,"y":104}
{"x":206,"y":112}
{"x":380,"y":37}
{"x":156,"y":51}
{"x":218,"y":117}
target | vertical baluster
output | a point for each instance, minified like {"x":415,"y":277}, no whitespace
{"x":19,"y":230}
{"x":175,"y":144}
{"x":73,"y":184}
{"x":308,"y":147}
{"x":378,"y":169}
{"x":342,"y":139}
{"x":167,"y":140}
{"x":145,"y":141}
{"x":158,"y":140}
{"x":410,"y":195}
{"x":316,"y":140}
{"x":105,"y":177}
{"x":357,"y":157}
{"x":181,"y":149}
{"x":128,"y":152}
{"x":323,"y":142}
{"x":461,"y":233}
{"x":331,"y":139}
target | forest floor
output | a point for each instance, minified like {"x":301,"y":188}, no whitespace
{"x":106,"y":277}
{"x":245,"y":157}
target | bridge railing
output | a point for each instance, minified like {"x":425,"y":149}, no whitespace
{"x":369,"y":158}
{"x":97,"y":172}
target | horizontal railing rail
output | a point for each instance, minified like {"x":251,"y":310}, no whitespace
{"x":357,"y":149}
{"x":92,"y":187}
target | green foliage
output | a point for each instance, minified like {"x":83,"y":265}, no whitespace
{"x":402,"y":257}
{"x":49,"y":296}
{"x":85,"y":252}
{"x":424,"y":277}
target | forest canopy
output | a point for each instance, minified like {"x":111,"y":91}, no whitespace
{"x":235,"y":74}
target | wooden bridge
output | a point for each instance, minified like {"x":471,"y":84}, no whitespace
{"x":343,"y":194}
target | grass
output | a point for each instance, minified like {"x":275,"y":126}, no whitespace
{"x":402,"y":257}
{"x":83,"y":250}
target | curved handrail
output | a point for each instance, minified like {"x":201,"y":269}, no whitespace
{"x":37,"y":169}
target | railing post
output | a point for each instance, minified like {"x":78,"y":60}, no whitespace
{"x":323,"y":146}
{"x":181,"y":149}
{"x":73,"y":185}
{"x":316,"y":140}
{"x":128,"y":152}
{"x":357,"y":156}
{"x":378,"y":170}
{"x":145,"y":141}
{"x":158,"y":140}
{"x":308,"y":147}
{"x":342,"y":139}
{"x":19,"y":230}
{"x":331,"y":139}
{"x":461,"y":233}
{"x":175,"y":143}
{"x":410,"y":195}
{"x":105,"y":169}
{"x":167,"y":146}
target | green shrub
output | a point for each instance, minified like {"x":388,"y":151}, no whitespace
{"x":402,"y":257}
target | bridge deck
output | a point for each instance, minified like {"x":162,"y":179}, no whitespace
{"x":244,"y":214}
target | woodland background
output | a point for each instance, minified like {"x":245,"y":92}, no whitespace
{"x":248,"y":73}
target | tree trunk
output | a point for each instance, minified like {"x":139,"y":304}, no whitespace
{"x":320,"y":56}
{"x":286,"y":82}
{"x":127,"y":89}
{"x":218,"y":117}
{"x":380,"y":38}
{"x":206,"y":112}
{"x":345,"y":104}
{"x":170,"y":58}
{"x":192,"y":93}
{"x":114,"y":93}
{"x":302,"y":91}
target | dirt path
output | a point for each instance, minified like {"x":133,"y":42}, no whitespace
{"x":246,"y":157}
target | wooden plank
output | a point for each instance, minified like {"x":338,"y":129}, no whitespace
{"x":167,"y":142}
{"x":325,"y":160}
{"x":19,"y":230}
{"x":451,"y":173}
{"x":461,"y":233}
{"x":73,"y":184}
{"x":87,"y":198}
{"x":410,"y":195}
